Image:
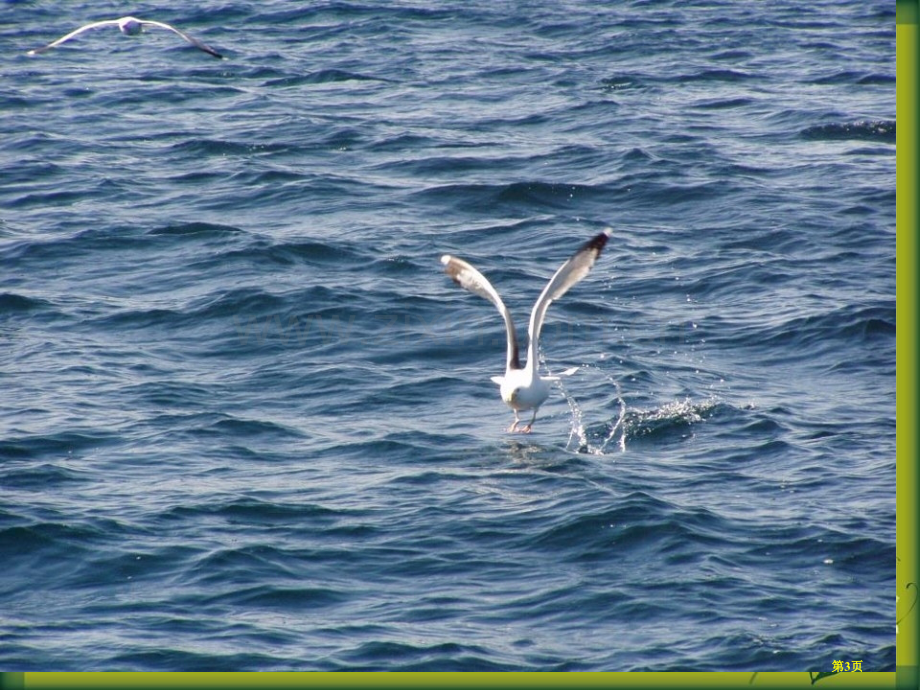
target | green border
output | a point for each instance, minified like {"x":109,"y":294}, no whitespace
{"x":906,"y":540}
{"x":908,"y":17}
{"x":907,"y":11}
{"x":103,"y":681}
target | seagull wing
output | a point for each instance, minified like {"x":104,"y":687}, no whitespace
{"x":191,"y":39}
{"x":73,"y":34}
{"x":569,"y":273}
{"x":468,"y":277}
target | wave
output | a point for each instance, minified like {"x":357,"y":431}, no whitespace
{"x":860,"y":130}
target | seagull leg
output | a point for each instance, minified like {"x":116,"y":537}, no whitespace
{"x":517,"y":420}
{"x":526,"y":429}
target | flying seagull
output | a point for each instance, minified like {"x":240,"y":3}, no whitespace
{"x":522,"y":388}
{"x":130,"y":26}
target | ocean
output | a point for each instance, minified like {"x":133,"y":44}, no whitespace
{"x":246,"y":421}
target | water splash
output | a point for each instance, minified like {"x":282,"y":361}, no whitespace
{"x":670,"y":420}
{"x":580,"y":439}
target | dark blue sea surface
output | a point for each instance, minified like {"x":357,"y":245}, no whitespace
{"x":246,"y":421}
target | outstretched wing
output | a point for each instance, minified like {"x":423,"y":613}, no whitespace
{"x":72,"y":34}
{"x":191,"y":39}
{"x":468,"y":277}
{"x":569,"y":273}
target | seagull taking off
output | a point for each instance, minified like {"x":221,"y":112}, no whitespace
{"x":522,"y":388}
{"x":130,"y":26}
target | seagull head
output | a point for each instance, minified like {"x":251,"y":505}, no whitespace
{"x":130,"y":26}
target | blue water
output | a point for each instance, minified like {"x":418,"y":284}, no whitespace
{"x":246,"y":421}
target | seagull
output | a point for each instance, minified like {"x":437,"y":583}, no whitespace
{"x":130,"y":26}
{"x":522,"y":388}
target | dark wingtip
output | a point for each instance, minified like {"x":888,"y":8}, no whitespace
{"x":598,"y":241}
